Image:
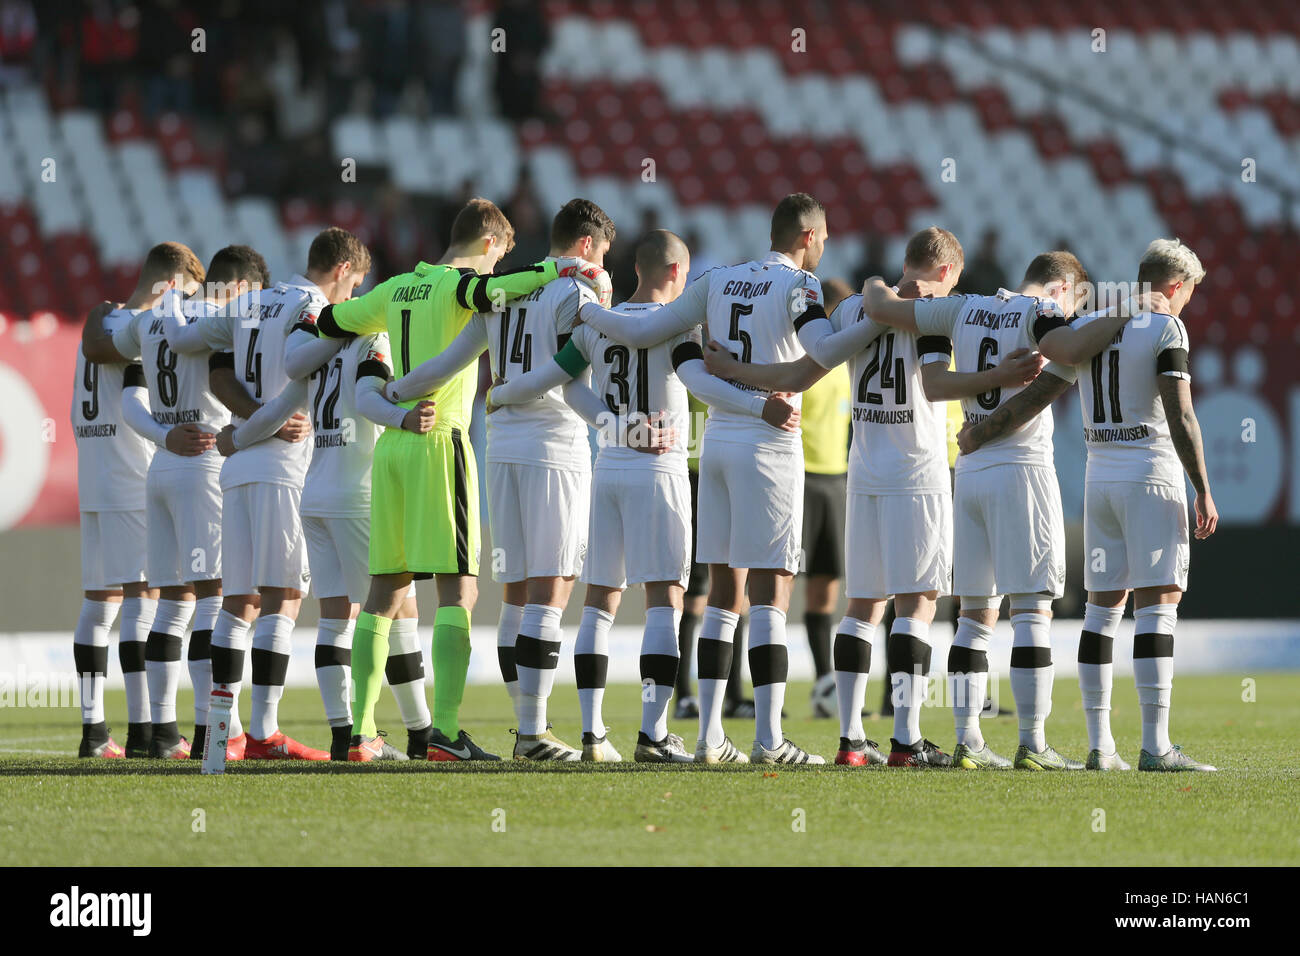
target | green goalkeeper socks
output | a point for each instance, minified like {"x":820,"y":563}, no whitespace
{"x":369,"y":655}
{"x":450,"y":665}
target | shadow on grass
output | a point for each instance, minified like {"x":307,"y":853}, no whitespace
{"x":61,"y":767}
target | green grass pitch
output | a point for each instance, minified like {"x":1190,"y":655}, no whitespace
{"x":57,"y":810}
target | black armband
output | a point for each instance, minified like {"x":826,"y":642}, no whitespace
{"x":472,"y":292}
{"x":221,"y":360}
{"x":305,"y":327}
{"x":1046,"y":323}
{"x":372,"y":367}
{"x":685,"y":352}
{"x":933,"y":345}
{"x":814,"y":311}
{"x":328,"y":326}
{"x":133,"y":376}
{"x":1172,"y":361}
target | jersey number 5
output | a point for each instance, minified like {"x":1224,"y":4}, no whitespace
{"x":737,"y":334}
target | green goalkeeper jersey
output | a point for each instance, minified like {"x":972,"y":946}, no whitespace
{"x":422,"y":311}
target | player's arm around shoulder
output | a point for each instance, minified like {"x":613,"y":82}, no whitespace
{"x":942,"y":383}
{"x":305,"y":351}
{"x":100,"y":345}
{"x":361,"y":315}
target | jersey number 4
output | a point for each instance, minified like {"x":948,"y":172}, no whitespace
{"x":520,"y":349}
{"x":892,"y":374}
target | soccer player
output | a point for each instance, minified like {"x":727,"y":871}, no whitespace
{"x":1140,"y":427}
{"x":424,"y":499}
{"x":265,"y":570}
{"x":899,"y":521}
{"x":1008,"y":531}
{"x":751,"y":473}
{"x":347,"y":418}
{"x":640,"y":520}
{"x":826,"y":425}
{"x":112,"y":465}
{"x":183,"y":493}
{"x":539,"y":470}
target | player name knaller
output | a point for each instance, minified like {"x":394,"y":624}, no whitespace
{"x":415,"y":293}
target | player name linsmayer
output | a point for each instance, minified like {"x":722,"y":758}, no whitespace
{"x":77,"y":909}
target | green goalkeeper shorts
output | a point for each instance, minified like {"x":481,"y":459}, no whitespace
{"x":424,"y":504}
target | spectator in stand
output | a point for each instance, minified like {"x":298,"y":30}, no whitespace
{"x":873,"y":261}
{"x":439,"y":34}
{"x":386,"y":38}
{"x":108,"y":42}
{"x":983,"y":275}
{"x":620,"y":262}
{"x":519,"y":68}
{"x":165,"y":63}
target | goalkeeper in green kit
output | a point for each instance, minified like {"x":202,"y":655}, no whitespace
{"x":424,"y":514}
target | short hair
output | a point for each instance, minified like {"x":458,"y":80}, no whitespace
{"x":835,"y":291}
{"x":1058,"y":266}
{"x":933,"y":247}
{"x":168,"y":259}
{"x":234,"y":264}
{"x":657,"y":250}
{"x":478,"y":219}
{"x":794,"y":214}
{"x":578,"y":218}
{"x":334,"y":246}
{"x":1170,"y":260}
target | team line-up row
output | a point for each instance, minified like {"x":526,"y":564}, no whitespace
{"x":196,"y":397}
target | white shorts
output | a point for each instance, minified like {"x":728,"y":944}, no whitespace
{"x":750,"y":505}
{"x":1135,"y":535}
{"x":112,"y":549}
{"x":538,"y":519}
{"x":261,"y":539}
{"x":640,"y":528}
{"x":338,"y":553}
{"x":1008,"y":533}
{"x":184,"y":512}
{"x":897,"y":544}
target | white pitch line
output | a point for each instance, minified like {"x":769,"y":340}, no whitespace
{"x":15,"y":750}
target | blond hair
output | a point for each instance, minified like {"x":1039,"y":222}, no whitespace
{"x":1170,"y":260}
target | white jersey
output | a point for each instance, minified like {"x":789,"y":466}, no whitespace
{"x":177,"y":383}
{"x":112,"y":458}
{"x":985,"y":329}
{"x":1124,"y":421}
{"x":900,"y":440}
{"x":254,"y":327}
{"x":753,"y":308}
{"x":338,"y":479}
{"x":640,"y":382}
{"x":527,"y":332}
